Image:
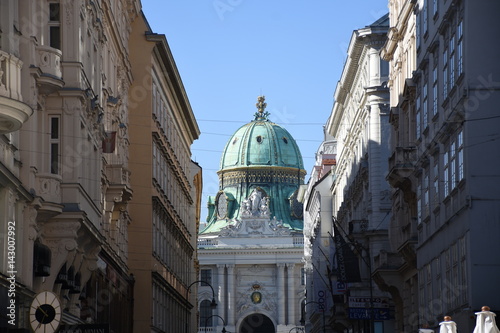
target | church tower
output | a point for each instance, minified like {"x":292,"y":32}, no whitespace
{"x":252,"y":247}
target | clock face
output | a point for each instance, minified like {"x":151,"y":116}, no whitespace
{"x":45,"y":313}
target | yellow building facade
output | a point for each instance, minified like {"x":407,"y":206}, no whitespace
{"x":167,"y":189}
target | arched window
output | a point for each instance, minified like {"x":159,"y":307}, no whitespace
{"x":206,"y":318}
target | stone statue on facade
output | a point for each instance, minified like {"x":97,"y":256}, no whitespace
{"x":264,"y":207}
{"x":255,"y":199}
{"x":256,"y":205}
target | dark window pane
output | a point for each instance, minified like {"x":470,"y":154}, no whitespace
{"x":54,"y":158}
{"x":206,"y":276}
{"x":206,"y":318}
{"x":54,"y":128}
{"x":54,"y":12}
{"x":55,"y":37}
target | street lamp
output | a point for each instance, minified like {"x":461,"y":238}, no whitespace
{"x":223,"y":322}
{"x":213,"y":304}
{"x":302,"y":320}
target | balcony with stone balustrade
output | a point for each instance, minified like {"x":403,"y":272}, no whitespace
{"x":13,"y":112}
{"x":47,"y":69}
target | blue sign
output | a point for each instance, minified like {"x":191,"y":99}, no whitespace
{"x":364,"y":313}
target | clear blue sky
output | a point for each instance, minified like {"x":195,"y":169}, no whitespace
{"x":228,"y":52}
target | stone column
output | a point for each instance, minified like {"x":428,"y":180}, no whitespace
{"x":231,"y":297}
{"x":221,"y":291}
{"x":292,"y":301}
{"x":281,"y":293}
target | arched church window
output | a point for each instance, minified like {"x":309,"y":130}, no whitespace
{"x":205,"y":314}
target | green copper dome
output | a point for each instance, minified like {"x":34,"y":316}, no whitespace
{"x":261,"y":142}
{"x":260,"y":157}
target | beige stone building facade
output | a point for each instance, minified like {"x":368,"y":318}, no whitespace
{"x":64,"y":86}
{"x":400,"y":50}
{"x":359,"y":193}
{"x":69,"y":75}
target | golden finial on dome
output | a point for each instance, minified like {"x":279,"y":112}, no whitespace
{"x":261,"y":108}
{"x":261,"y":105}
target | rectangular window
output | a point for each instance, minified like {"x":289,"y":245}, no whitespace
{"x":206,"y":277}
{"x":161,"y":114}
{"x":425,"y":17}
{"x":460,"y":155}
{"x":54,"y":26}
{"x":157,"y":105}
{"x":436,"y":182}
{"x":452,"y":61}
{"x":455,"y":274}
{"x":463,"y":266}
{"x":445,"y":174}
{"x":166,"y":111}
{"x":54,"y":13}
{"x":438,"y":280}
{"x":425,"y":112}
{"x":417,"y":35}
{"x":445,"y":74}
{"x":421,"y":293}
{"x":154,"y":97}
{"x":429,"y":281}
{"x":460,"y":48}
{"x":417,"y":118}
{"x":160,"y":308}
{"x":447,"y":275}
{"x":55,"y":144}
{"x":426,"y":193}
{"x":435,"y":91}
{"x":435,"y":8}
{"x":453,"y":179}
{"x":155,"y":160}
{"x":419,"y":202}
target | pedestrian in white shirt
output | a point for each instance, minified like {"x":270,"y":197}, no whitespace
{"x":448,"y":325}
{"x":485,"y":321}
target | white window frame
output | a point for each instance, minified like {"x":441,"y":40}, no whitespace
{"x":54,"y":24}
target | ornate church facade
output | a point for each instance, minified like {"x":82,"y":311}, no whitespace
{"x":251,"y":250}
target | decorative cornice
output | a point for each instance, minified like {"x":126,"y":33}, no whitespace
{"x":221,"y":252}
{"x":261,"y":175}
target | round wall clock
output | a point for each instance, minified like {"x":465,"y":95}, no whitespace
{"x":45,"y":312}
